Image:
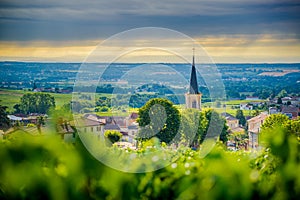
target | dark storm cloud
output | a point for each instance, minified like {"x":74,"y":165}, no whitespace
{"x":76,"y":20}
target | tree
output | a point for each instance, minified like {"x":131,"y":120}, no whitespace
{"x":159,"y":118}
{"x":293,"y":127}
{"x":4,"y":121}
{"x":256,"y":112}
{"x":34,"y":86}
{"x":282,"y":93}
{"x":240,"y":116}
{"x":113,"y":135}
{"x":279,"y":100}
{"x":218,"y":128}
{"x":275,"y":120}
{"x":17,"y":108}
{"x":36,"y":103}
{"x":40,"y":122}
{"x":190,"y":119}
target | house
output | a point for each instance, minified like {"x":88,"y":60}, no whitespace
{"x":291,"y":111}
{"x":112,"y":126}
{"x":254,"y":127}
{"x":231,"y":121}
{"x":246,"y":106}
{"x":25,"y":119}
{"x":132,"y":133}
{"x":292,"y":100}
{"x":252,"y":98}
{"x":273,"y":110}
{"x":257,"y":103}
{"x":85,"y":125}
{"x":295,"y":101}
{"x":67,"y":132}
{"x":132,"y":118}
{"x":286,"y":99}
{"x":127,"y":126}
{"x":14,"y":120}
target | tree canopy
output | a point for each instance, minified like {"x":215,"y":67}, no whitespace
{"x":282,"y":121}
{"x":159,"y":118}
{"x":36,"y":103}
{"x":275,"y":120}
{"x":113,"y":135}
{"x":240,"y":116}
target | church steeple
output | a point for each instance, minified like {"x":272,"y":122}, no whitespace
{"x":193,"y":80}
{"x":193,"y":97}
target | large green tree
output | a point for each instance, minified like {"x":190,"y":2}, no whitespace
{"x":240,"y":116}
{"x":36,"y":103}
{"x":159,"y":118}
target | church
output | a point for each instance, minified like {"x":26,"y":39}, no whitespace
{"x":193,"y":97}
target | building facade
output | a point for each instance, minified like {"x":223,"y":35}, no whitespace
{"x":254,"y":128}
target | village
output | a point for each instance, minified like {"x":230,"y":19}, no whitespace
{"x":243,"y":127}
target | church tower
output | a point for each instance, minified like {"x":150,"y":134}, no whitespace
{"x":193,"y":97}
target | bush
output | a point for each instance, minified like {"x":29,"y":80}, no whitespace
{"x":31,"y":125}
{"x":112,"y":135}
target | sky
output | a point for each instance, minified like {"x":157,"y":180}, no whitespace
{"x":231,"y":31}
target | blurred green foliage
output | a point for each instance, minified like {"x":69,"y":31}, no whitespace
{"x":45,"y":167}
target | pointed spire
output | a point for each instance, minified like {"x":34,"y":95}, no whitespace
{"x":193,"y":80}
{"x":193,"y":57}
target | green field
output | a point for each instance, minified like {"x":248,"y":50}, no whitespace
{"x":11,"y":97}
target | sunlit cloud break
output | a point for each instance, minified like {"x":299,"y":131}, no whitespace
{"x":222,"y":49}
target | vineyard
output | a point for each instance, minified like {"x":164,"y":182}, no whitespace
{"x":46,"y":168}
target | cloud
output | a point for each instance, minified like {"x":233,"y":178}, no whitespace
{"x":78,"y":19}
{"x":230,"y":30}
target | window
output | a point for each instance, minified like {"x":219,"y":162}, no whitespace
{"x":92,"y":129}
{"x":194,"y":104}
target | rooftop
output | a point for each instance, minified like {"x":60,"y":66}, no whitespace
{"x":261,"y":116}
{"x":228,"y":116}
